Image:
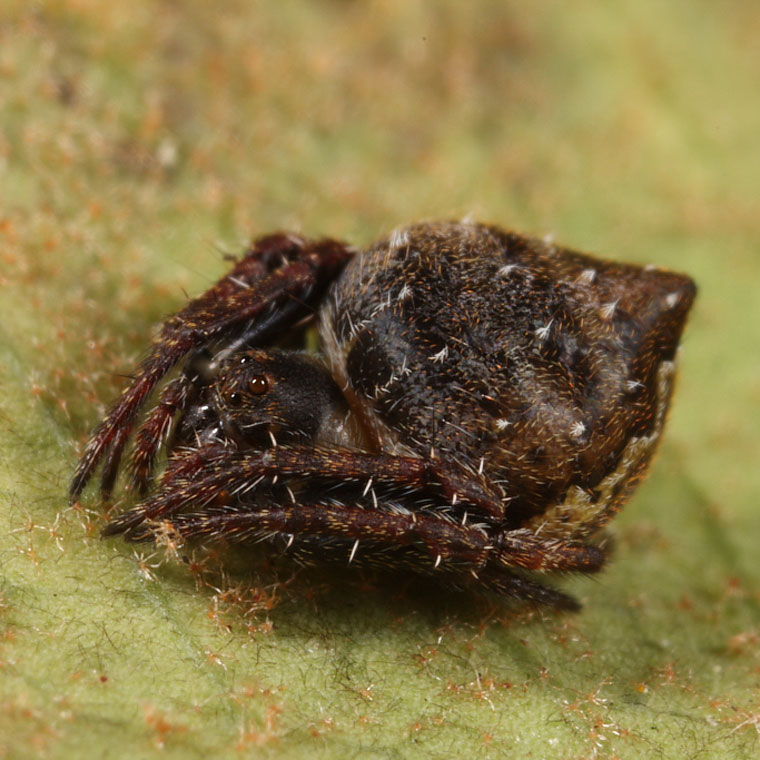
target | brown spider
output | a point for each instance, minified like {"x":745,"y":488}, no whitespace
{"x":486,"y":403}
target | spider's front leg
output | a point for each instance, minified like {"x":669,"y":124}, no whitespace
{"x":182,"y":417}
{"x":213,"y":474}
{"x":155,"y":430}
{"x":274,"y":286}
{"x":226,"y":486}
{"x":442,"y":537}
{"x":457,"y":551}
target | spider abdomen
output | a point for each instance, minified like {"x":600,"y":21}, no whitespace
{"x":540,"y":367}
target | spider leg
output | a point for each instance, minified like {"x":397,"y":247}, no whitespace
{"x":523,"y":548}
{"x":152,"y":434}
{"x":216,"y":473}
{"x":253,"y":298}
{"x":445,"y":539}
{"x":213,"y":475}
{"x":511,"y":584}
{"x":458,"y":550}
{"x":410,"y":560}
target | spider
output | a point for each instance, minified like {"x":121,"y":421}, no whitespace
{"x":484,"y":404}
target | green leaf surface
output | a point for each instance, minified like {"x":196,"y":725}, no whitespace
{"x":141,"y":141}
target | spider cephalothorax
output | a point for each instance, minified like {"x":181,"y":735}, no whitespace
{"x":485,"y":404}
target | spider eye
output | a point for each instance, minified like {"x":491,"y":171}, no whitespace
{"x":233,"y":399}
{"x":258,"y":385}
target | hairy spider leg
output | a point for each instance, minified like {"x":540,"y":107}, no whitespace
{"x":212,"y":473}
{"x":452,"y":547}
{"x":109,"y":437}
{"x":446,"y":539}
{"x":306,"y":268}
{"x":153,"y":432}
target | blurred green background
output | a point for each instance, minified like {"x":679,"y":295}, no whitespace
{"x":139,"y":142}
